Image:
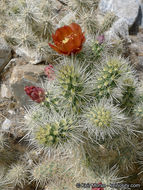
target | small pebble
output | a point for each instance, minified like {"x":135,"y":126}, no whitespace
{"x":6,"y":125}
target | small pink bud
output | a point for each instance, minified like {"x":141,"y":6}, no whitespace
{"x":37,"y":94}
{"x":100,"y":39}
{"x":49,"y":72}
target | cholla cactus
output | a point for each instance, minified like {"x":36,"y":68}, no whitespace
{"x":29,"y":12}
{"x":107,"y":23}
{"x":50,"y":169}
{"x":83,"y":6}
{"x":125,"y":157}
{"x":108,"y":177}
{"x":8,"y":155}
{"x":89,"y":108}
{"x":54,"y":130}
{"x":98,"y":46}
{"x":93,"y":52}
{"x":3,"y":140}
{"x":138,"y":113}
{"x":140,"y":160}
{"x":89,"y":23}
{"x":110,"y":76}
{"x":34,"y":113}
{"x":129,"y":96}
{"x":4,"y":18}
{"x":104,"y":119}
{"x":44,"y":172}
{"x":74,"y":84}
{"x":2,"y":180}
{"x":17,"y":175}
{"x":33,"y":26}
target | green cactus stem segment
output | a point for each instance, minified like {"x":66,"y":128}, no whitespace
{"x":101,"y":117}
{"x":128,"y":99}
{"x":73,"y":83}
{"x":107,"y":78}
{"x":53,"y":133}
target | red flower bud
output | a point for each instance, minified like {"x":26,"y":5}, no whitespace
{"x":37,"y":94}
{"x":49,"y":72}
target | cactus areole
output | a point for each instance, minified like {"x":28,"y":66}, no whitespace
{"x":68,"y":39}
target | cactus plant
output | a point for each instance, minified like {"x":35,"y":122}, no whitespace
{"x":74,"y":83}
{"x":3,"y":140}
{"x":49,"y":131}
{"x":89,"y":23}
{"x":110,"y":76}
{"x":79,"y":5}
{"x":50,"y":170}
{"x":16,"y":175}
{"x":108,"y":21}
{"x":109,"y":177}
{"x":103,"y":119}
{"x":138,"y":113}
{"x":88,"y":107}
{"x":2,"y":180}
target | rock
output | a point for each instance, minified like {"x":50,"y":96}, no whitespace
{"x":136,"y":54}
{"x":121,"y":28}
{"x":5,"y":54}
{"x":138,"y":24}
{"x":14,"y":62}
{"x":111,"y":36}
{"x":5,"y":91}
{"x":22,"y":52}
{"x":126,"y":9}
{"x":25,"y":75}
{"x":30,"y":56}
{"x":141,"y":14}
{"x":118,"y":30}
{"x":36,"y":60}
{"x":6,"y":125}
{"x":11,"y":112}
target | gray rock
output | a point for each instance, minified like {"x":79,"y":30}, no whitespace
{"x":29,"y":55}
{"x":140,"y":58}
{"x":25,"y":75}
{"x":23,"y":52}
{"x":5,"y":54}
{"x":127,"y":9}
{"x":141,"y":14}
{"x":118,"y":30}
{"x":11,"y":63}
{"x":6,"y":125}
{"x":11,"y":112}
{"x":5,"y":91}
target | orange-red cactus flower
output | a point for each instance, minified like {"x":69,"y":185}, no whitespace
{"x":68,"y":39}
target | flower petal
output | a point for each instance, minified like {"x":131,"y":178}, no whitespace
{"x":76,"y":28}
{"x":55,"y":48}
{"x":61,"y":33}
{"x":68,"y":39}
{"x":83,"y":38}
